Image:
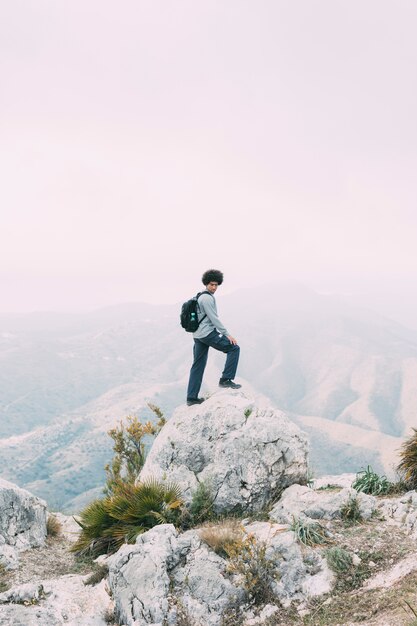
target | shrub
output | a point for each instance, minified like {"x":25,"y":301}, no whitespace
{"x":221,"y":536}
{"x":53,"y":526}
{"x":350,"y":511}
{"x":130,"y":450}
{"x":308,"y":533}
{"x":339,"y":560}
{"x":201,"y":508}
{"x":368,"y":481}
{"x":132,"y":509}
{"x":408,"y":464}
{"x":247,"y":558}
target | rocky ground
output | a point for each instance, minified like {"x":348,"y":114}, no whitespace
{"x":381,"y":590}
{"x":319,"y":555}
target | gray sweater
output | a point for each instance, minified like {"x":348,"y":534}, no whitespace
{"x":207,"y":306}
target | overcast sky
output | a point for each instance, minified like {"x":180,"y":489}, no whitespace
{"x":142,"y":142}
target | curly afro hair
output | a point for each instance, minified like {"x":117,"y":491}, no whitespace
{"x":214,"y":276}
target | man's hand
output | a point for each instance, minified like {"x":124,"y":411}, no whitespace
{"x":232,"y":340}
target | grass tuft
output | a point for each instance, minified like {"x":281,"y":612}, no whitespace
{"x":53,"y":526}
{"x":308,"y":533}
{"x":97,"y":576}
{"x":339,"y":560}
{"x":222,"y":535}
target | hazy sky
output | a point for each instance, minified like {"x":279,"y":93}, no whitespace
{"x":142,"y":142}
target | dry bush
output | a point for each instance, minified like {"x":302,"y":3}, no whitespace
{"x":247,"y":559}
{"x":53,"y":526}
{"x":221,"y":535}
{"x":97,"y":576}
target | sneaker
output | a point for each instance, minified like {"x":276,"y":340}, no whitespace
{"x":228,"y":383}
{"x":191,"y":401}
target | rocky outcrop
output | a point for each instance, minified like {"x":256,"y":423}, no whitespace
{"x":22,"y":522}
{"x":65,"y":600}
{"x":247,"y":454}
{"x":401,"y":511}
{"x":165,"y":573}
{"x":301,"y":501}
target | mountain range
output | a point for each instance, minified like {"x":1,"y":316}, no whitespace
{"x":345,"y":374}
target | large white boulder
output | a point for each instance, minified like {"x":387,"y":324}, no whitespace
{"x":247,"y":453}
{"x":22,"y":522}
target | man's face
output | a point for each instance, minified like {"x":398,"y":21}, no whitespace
{"x":211,"y":287}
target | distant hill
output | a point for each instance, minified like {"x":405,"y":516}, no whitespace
{"x":345,"y":375}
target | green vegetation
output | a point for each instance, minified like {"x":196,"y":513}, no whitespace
{"x":368,"y":481}
{"x":131,"y":510}
{"x":127,"y":509}
{"x":130,"y":450}
{"x":350,"y":511}
{"x":339,"y":560}
{"x":247,"y":558}
{"x":408,"y":464}
{"x":201,"y":508}
{"x":308,"y":533}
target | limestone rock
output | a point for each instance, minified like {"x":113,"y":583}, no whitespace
{"x":401,"y":511}
{"x":65,"y":600}
{"x":303,"y":572}
{"x":164,"y":573}
{"x":22,"y":522}
{"x":302,"y":501}
{"x":247,"y":454}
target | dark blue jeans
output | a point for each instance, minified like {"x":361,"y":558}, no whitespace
{"x":201,"y":346}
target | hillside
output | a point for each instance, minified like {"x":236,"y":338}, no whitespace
{"x":344,"y":374}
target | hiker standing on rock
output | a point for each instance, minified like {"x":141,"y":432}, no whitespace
{"x":211,"y":334}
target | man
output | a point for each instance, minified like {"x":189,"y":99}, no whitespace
{"x":211,"y":333}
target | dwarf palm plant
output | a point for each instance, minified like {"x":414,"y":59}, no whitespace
{"x":119,"y":518}
{"x":408,"y":464}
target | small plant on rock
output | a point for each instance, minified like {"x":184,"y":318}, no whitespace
{"x":368,"y":481}
{"x":339,"y":560}
{"x":130,"y":450}
{"x":308,"y":533}
{"x":201,"y":508}
{"x":97,"y":576}
{"x":53,"y":526}
{"x":408,"y":464}
{"x":247,"y":559}
{"x":350,"y":511}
